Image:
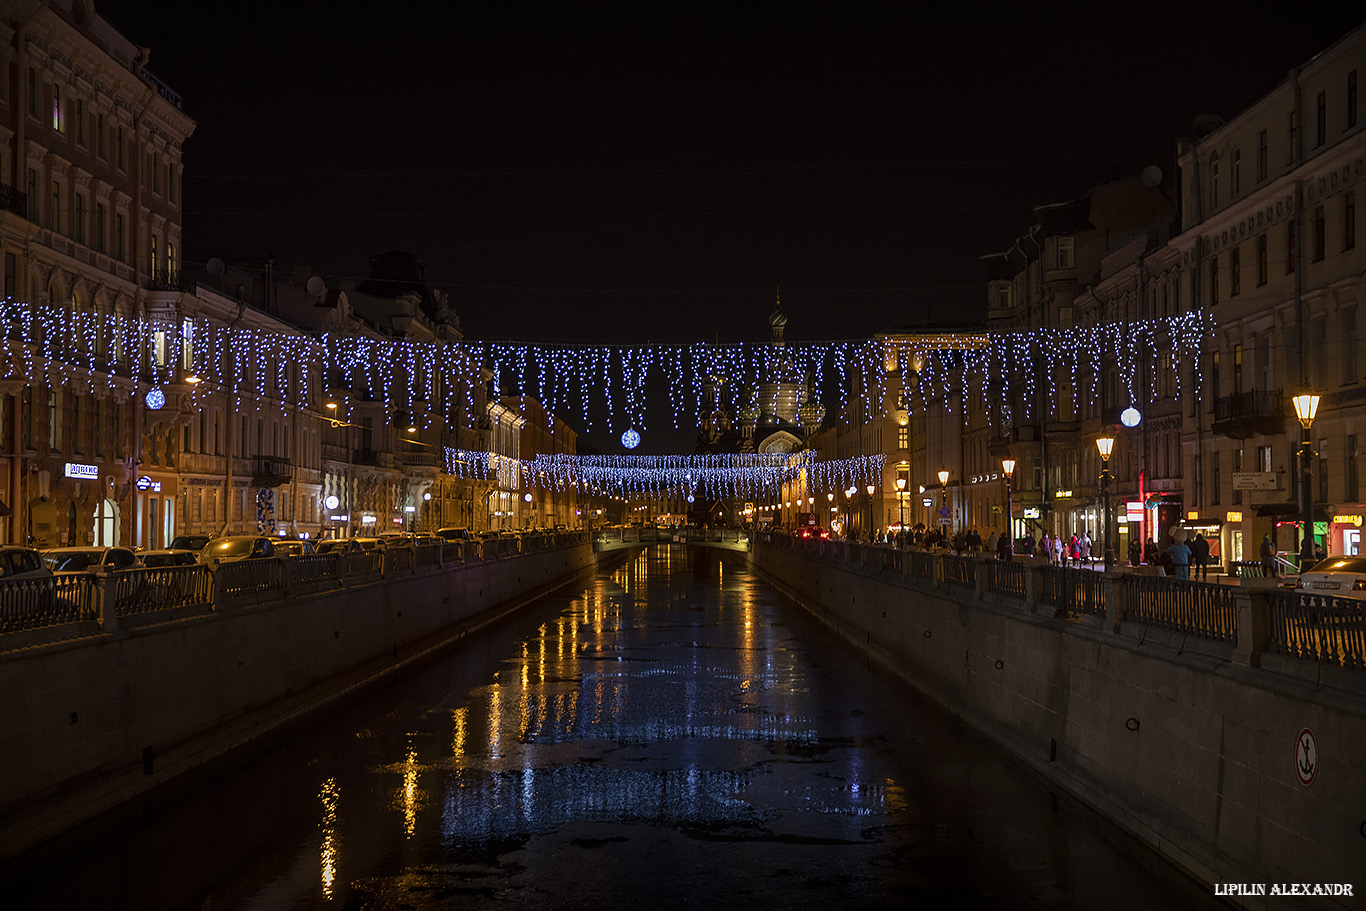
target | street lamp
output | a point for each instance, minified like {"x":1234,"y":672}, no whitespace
{"x":1106,"y":445}
{"x":1008,"y":468}
{"x":943,"y":499}
{"x":901,"y":502}
{"x":849,"y":508}
{"x":1306,"y":406}
{"x":871,"y":488}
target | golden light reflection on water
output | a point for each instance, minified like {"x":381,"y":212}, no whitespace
{"x":410,"y":793}
{"x":329,"y":795}
{"x":458,"y":735}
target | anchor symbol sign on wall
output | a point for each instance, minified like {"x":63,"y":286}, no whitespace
{"x":1306,"y":757}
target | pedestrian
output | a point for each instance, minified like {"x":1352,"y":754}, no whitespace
{"x":1074,"y":550}
{"x":1200,"y":556}
{"x":1004,"y":549}
{"x":1180,"y":553}
{"x":1318,"y":553}
{"x":1059,"y":548}
{"x":1135,"y":551}
{"x":1085,"y":548}
{"x":991,"y":543}
{"x":1046,"y":543}
{"x":1150,"y":552}
{"x":1027,"y":545}
{"x":1268,"y":555}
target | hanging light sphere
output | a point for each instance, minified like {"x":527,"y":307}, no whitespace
{"x":630,"y":439}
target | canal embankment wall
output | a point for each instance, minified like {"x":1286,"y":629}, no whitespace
{"x":1191,"y":746}
{"x":93,"y":720}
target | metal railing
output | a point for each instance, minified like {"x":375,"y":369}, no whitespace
{"x":1074,"y":591}
{"x":1199,"y":608}
{"x":146,"y":591}
{"x":1317,"y":628}
{"x":1005,"y":577}
{"x":27,"y":604}
{"x":959,"y":570}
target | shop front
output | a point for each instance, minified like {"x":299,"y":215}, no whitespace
{"x":1211,"y":529}
{"x":1344,"y":532}
{"x":156,"y":509}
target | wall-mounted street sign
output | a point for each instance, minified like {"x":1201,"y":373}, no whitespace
{"x":81,"y":470}
{"x":144,"y":483}
{"x":1306,"y":757}
{"x":1254,"y":480}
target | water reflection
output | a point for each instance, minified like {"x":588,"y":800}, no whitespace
{"x":329,"y":797}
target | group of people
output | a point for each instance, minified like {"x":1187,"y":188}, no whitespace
{"x":1176,"y":556}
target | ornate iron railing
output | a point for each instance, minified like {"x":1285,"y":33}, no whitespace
{"x":1197,"y":608}
{"x":959,"y":570}
{"x":1318,"y":628}
{"x":1075,"y":591}
{"x":1005,"y":577}
{"x":145,"y":591}
{"x":47,"y":601}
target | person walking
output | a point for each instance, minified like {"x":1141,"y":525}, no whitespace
{"x":1085,"y":548}
{"x":1200,"y":557}
{"x":1046,"y":543}
{"x":991,"y":543}
{"x":1059,"y":549}
{"x":1135,"y":551}
{"x":1268,"y":554}
{"x":1180,"y":553}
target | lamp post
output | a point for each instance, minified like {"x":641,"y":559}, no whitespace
{"x":1306,"y":406}
{"x":1106,"y":445}
{"x":870,"y":512}
{"x":849,"y":508}
{"x":943,"y":501}
{"x":901,"y":502}
{"x":1008,"y":468}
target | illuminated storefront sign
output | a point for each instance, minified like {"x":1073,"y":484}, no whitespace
{"x":1032,"y":512}
{"x":81,"y":470}
{"x":1062,"y":494}
{"x":1347,"y":520}
{"x":1193,"y":516}
{"x":1233,"y":517}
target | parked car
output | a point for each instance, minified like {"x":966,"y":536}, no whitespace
{"x":22,"y":563}
{"x":370,"y":543}
{"x":454,"y":534}
{"x":1341,"y":577}
{"x":89,"y":559}
{"x":195,"y":543}
{"x":293,"y":548}
{"x":169,"y":557}
{"x":231,"y":548}
{"x":339,"y":546}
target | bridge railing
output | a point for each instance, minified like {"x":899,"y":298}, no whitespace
{"x":1229,"y":617}
{"x":70,"y":604}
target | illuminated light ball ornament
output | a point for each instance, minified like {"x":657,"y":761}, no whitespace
{"x":332,"y":502}
{"x":1130,"y":417}
{"x":630,"y":439}
{"x":155,"y":398}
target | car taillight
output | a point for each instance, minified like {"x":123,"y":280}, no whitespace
{"x":1359,"y":585}
{"x":1301,"y":585}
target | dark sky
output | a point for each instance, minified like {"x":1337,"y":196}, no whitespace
{"x":621,"y":172}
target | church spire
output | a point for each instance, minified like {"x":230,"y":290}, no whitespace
{"x":777,"y":319}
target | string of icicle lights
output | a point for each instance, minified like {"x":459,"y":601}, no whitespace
{"x":435,"y":381}
{"x":737,"y":476}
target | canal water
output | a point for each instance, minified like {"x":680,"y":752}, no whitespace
{"x":672,"y":734}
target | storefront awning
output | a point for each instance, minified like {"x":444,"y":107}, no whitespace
{"x":1290,"y":510}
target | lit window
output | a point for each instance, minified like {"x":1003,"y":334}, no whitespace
{"x":58,"y":115}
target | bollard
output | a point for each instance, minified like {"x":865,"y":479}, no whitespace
{"x":1253,"y":612}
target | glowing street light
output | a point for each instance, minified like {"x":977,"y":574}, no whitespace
{"x":1106,"y":445}
{"x":944,"y":498}
{"x":1008,"y":468}
{"x":1306,"y":406}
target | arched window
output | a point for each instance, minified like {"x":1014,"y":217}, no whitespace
{"x":1214,"y":181}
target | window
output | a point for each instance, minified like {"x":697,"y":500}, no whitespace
{"x":32,"y":195}
{"x":1349,"y":220}
{"x":903,"y":438}
{"x":1235,"y":277}
{"x":1214,"y":373}
{"x":170,"y":182}
{"x":1294,"y":138}
{"x":1214,"y":477}
{"x":78,"y":220}
{"x":58,"y":115}
{"x":80,"y":122}
{"x":156,"y":173}
{"x":54,"y":422}
{"x":54,"y":220}
{"x":1321,"y":119}
{"x":118,"y":149}
{"x":152,"y":254}
{"x":99,"y":136}
{"x":1264,"y":361}
{"x":1237,"y":467}
{"x":99,"y":227}
{"x":32,"y":92}
{"x":11,"y":275}
{"x":1237,"y":369}
{"x":1214,"y":279}
{"x":1261,"y":156}
{"x":1264,"y":458}
{"x":118,"y":237}
{"x":1351,"y":99}
{"x":1323,"y":474}
{"x":1065,"y":250}
{"x":1350,"y":460}
{"x":170,"y":256}
{"x":1320,"y":234}
{"x":1318,"y":350}
{"x":1235,"y":172}
{"x":1290,"y":248}
{"x":1261,"y":260}
{"x":1214,"y":181}
{"x":1347,"y":326}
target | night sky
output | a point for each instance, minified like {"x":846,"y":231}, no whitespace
{"x":636,"y":172}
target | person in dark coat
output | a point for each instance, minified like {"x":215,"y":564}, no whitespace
{"x":1004,"y":549}
{"x":1200,"y":557}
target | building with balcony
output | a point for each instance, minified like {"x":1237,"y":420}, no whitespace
{"x":90,"y":221}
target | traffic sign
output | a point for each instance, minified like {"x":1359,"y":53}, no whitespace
{"x":945,"y":513}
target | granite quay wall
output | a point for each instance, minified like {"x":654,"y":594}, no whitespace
{"x":1176,"y":709}
{"x":141,"y":675}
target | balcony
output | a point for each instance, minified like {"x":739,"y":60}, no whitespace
{"x":1249,"y":414}
{"x":166,"y":280}
{"x":334,"y":452}
{"x":1000,"y":445}
{"x":12,"y":200}
{"x":423,"y":458}
{"x":269,"y":471}
{"x":373,"y":457}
